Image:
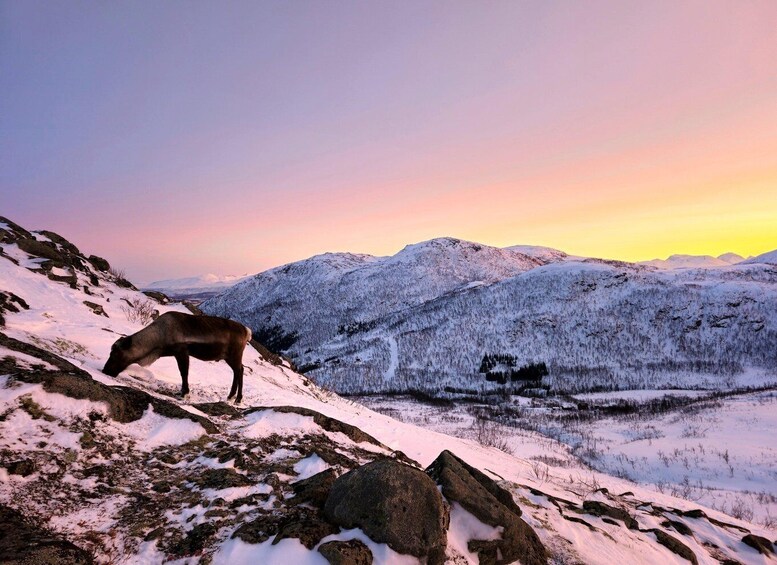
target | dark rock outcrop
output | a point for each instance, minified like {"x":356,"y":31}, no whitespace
{"x":675,"y":546}
{"x":23,"y":467}
{"x":96,"y":308}
{"x":9,"y":302}
{"x":351,"y":552}
{"x":392,"y":503}
{"x":601,"y":509}
{"x":221,"y":478}
{"x":491,"y":504}
{"x":759,"y":543}
{"x":307,"y":526}
{"x":22,"y":543}
{"x":314,"y":490}
{"x":99,"y":263}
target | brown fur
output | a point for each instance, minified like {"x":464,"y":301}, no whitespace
{"x":179,"y":335}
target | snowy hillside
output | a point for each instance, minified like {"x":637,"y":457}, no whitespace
{"x":122,"y":470}
{"x":769,"y":258}
{"x":426,"y":319}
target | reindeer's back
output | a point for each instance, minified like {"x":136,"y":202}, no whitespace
{"x":203,"y":329}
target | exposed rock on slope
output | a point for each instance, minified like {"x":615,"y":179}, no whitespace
{"x":25,"y":544}
{"x":488,"y":502}
{"x":392,"y":503}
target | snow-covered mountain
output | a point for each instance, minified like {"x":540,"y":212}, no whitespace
{"x":198,"y":288}
{"x":695,"y":261}
{"x":768,"y":258}
{"x":122,"y":470}
{"x":425,"y":318}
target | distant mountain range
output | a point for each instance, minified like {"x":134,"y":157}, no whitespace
{"x":439,"y":313}
{"x":695,"y":261}
{"x":200,"y":287}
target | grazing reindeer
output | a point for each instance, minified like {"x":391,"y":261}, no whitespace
{"x":179,"y":335}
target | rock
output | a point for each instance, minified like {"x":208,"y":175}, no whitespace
{"x":99,"y":263}
{"x":96,"y":308}
{"x":24,"y":544}
{"x":42,"y":249}
{"x":315,"y":489}
{"x":221,"y":478}
{"x":597,"y":508}
{"x":351,"y":552}
{"x":491,"y":504}
{"x":194,"y":541}
{"x":678,"y":527}
{"x":307,"y":526}
{"x":23,"y":467}
{"x":675,"y":546}
{"x":9,"y":302}
{"x":160,"y":297}
{"x":394,"y":504}
{"x":763,"y":545}
{"x":259,"y":529}
{"x":61,"y":241}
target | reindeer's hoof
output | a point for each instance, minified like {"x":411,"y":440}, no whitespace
{"x":238,"y":400}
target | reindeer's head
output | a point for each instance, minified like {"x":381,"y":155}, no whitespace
{"x":120,"y":357}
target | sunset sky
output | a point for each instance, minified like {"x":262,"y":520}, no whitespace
{"x":178,"y":138}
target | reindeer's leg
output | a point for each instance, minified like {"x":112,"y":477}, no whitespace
{"x":182,"y":357}
{"x":236,"y":364}
{"x":233,"y":389}
{"x":239,"y":398}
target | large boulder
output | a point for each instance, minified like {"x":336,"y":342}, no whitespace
{"x":491,"y":504}
{"x":24,"y":543}
{"x":394,"y":504}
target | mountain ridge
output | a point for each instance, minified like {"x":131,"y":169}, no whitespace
{"x":578,"y":315}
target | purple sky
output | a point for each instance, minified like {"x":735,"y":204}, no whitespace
{"x":176,"y":138}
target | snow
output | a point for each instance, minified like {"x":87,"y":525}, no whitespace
{"x":267,"y":422}
{"x":287,"y":551}
{"x":312,"y":465}
{"x":546,"y":254}
{"x":465,"y":527}
{"x":152,"y":431}
{"x":25,"y":361}
{"x":24,"y":259}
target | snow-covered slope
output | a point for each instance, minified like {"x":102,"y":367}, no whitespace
{"x":768,"y":258}
{"x":424,"y":319}
{"x":127,"y":471}
{"x":326,"y":295}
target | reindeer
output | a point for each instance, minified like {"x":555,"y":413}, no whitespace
{"x":179,"y":335}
